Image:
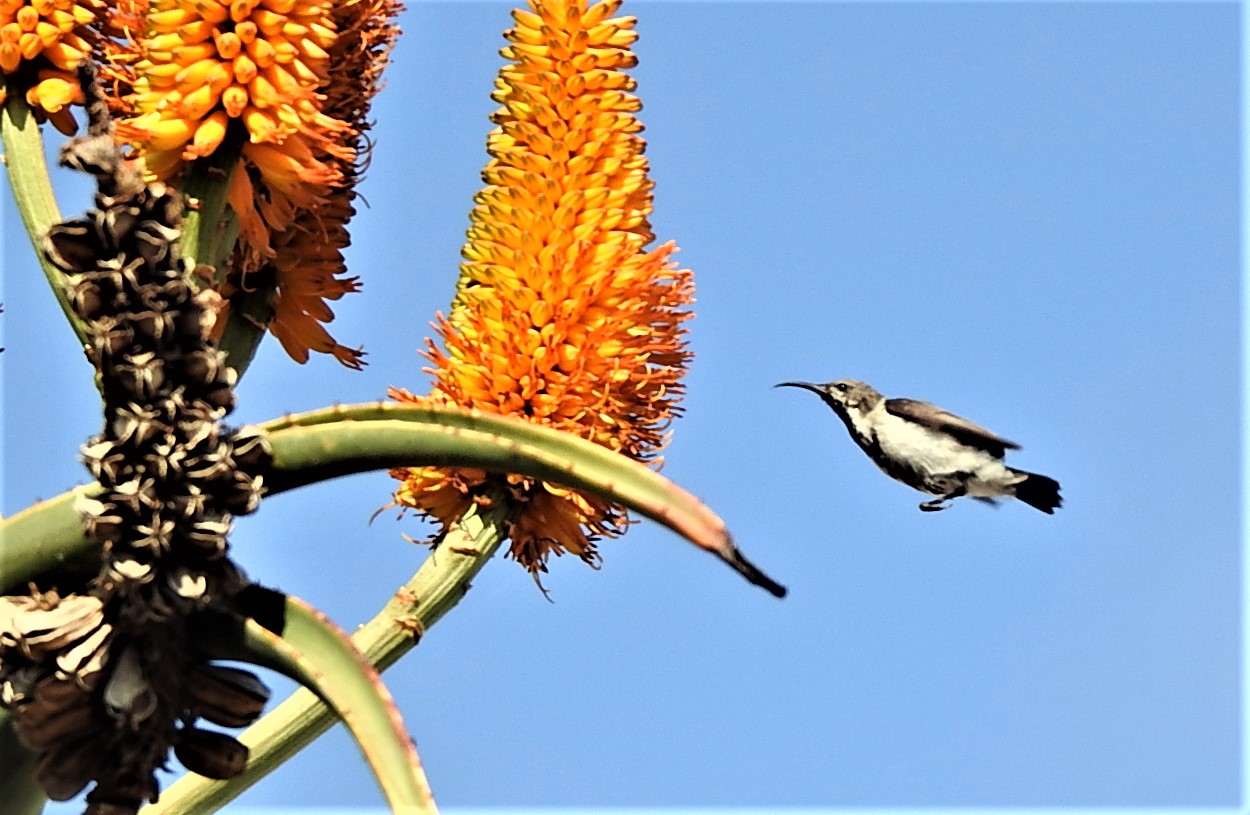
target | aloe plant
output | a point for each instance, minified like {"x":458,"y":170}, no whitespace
{"x":220,"y":221}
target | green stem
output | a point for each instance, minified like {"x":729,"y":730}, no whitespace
{"x":208,"y":229}
{"x":211,"y":230}
{"x":435,"y":589}
{"x":32,"y":189}
{"x":248,"y":320}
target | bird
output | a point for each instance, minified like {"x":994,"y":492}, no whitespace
{"x":932,"y":450}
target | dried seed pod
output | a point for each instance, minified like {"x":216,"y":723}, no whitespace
{"x":121,"y":790}
{"x":198,"y":437}
{"x":58,"y":711}
{"x":220,"y":396}
{"x":119,"y":272}
{"x":111,"y":338}
{"x":128,"y":569}
{"x":188,"y":505}
{"x":206,"y":365}
{"x":72,"y":246}
{"x":105,"y":528}
{"x":152,"y":325}
{"x":230,"y":579}
{"x":252,"y":452}
{"x":187,"y":584}
{"x":136,"y":423}
{"x":212,"y":466}
{"x":57,"y":692}
{"x":208,"y":535}
{"x":116,"y":223}
{"x":104,"y":460}
{"x":139,"y":376}
{"x":43,"y":631}
{"x":128,"y":696}
{"x":211,"y":754}
{"x":198,"y":411}
{"x":87,"y":299}
{"x":169,"y":482}
{"x":165,"y":457}
{"x":137,"y":496}
{"x":85,"y":660}
{"x":195,"y":324}
{"x":243,"y":496}
{"x":147,"y":604}
{"x":154,"y":536}
{"x":42,"y":729}
{"x":230,"y":697}
{"x":153,"y":240}
{"x":38,"y":630}
{"x":65,"y":770}
{"x":172,"y":295}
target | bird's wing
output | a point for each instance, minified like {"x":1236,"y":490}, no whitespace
{"x":934,"y":417}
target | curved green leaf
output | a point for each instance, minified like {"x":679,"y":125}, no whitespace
{"x":350,"y":439}
{"x":44,"y":537}
{"x":32,"y":189}
{"x":19,"y":790}
{"x":338,"y":441}
{"x":320,"y":656}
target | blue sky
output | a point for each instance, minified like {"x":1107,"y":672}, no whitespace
{"x":1027,"y":213}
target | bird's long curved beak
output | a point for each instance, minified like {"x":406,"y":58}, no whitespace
{"x":804,"y":385}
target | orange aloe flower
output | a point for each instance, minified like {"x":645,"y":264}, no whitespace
{"x":562,"y":316}
{"x":286,"y":83}
{"x":41,"y":44}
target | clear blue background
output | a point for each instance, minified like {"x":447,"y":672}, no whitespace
{"x":1027,"y":213}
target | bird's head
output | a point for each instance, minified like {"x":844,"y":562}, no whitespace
{"x":844,"y":396}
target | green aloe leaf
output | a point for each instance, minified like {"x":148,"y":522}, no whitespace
{"x":19,"y":790}
{"x":324,"y":444}
{"x":338,"y":441}
{"x":45,"y":537}
{"x":32,"y":189}
{"x":320,"y":656}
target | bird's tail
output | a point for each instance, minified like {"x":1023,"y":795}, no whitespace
{"x":1038,"y":491}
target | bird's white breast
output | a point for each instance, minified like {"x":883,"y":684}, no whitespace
{"x":932,"y":452}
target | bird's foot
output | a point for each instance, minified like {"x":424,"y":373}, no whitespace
{"x":940,"y":503}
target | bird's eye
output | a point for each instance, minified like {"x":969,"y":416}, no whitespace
{"x":839,"y":386}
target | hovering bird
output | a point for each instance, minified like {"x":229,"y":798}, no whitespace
{"x":932,"y":450}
